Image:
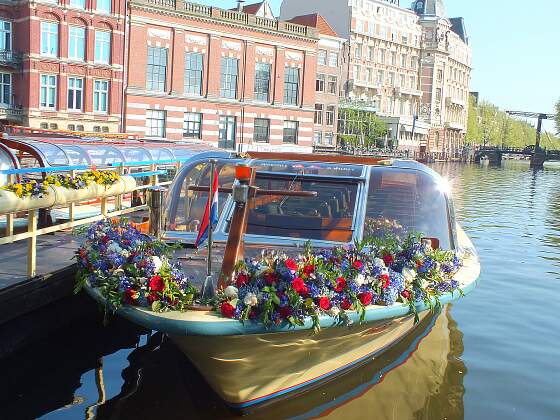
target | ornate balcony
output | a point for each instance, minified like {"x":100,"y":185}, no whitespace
{"x":11,"y":114}
{"x":11,"y":59}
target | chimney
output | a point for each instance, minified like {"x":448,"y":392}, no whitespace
{"x":240,"y":5}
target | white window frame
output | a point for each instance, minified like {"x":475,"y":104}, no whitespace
{"x":51,"y":49}
{"x":149,"y":128}
{"x":99,"y":54}
{"x":98,"y":93}
{"x":6,"y":87}
{"x":48,"y":86}
{"x":6,"y":34}
{"x":73,"y":41}
{"x":78,"y":4}
{"x":73,"y":107}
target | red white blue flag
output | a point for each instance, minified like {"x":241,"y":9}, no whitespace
{"x":210,"y":218}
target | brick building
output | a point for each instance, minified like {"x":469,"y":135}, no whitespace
{"x":61,"y":63}
{"x":234,"y":79}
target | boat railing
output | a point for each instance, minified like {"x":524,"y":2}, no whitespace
{"x":106,"y":206}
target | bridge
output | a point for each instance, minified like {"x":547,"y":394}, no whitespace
{"x":537,"y":154}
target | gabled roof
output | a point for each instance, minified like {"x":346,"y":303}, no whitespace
{"x":252,"y":8}
{"x":458,"y":26}
{"x":317,"y":21}
{"x":261,"y":9}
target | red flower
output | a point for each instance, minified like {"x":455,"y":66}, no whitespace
{"x":291,"y":264}
{"x":388,"y":259}
{"x":324,"y":303}
{"x":270,"y":278}
{"x":130,"y":296}
{"x":285,"y":312}
{"x":157,"y":284}
{"x":152,"y":297}
{"x":242,"y":279}
{"x":405,"y":294}
{"x":357,"y":265}
{"x":340,"y":284}
{"x":386,"y":280}
{"x":346,"y":304}
{"x":419,"y":263}
{"x":308,"y":269}
{"x":227,"y":310}
{"x":365,"y":298}
{"x":299,"y":286}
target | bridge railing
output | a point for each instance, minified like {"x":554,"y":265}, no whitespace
{"x":113,"y":206}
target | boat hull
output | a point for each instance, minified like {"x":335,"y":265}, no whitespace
{"x":250,"y":370}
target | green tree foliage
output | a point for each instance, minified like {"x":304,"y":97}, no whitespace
{"x":489,"y":125}
{"x":558,"y":117}
{"x":361,"y":128}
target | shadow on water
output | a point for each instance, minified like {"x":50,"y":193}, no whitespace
{"x":123,"y":372}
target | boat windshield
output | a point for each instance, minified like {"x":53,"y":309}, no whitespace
{"x":405,"y":201}
{"x":328,"y":216}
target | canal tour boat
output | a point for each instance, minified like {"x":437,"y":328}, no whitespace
{"x":293,"y":204}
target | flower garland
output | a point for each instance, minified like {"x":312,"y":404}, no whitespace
{"x":278,"y":288}
{"x":129,"y":267}
{"x":39,"y":188}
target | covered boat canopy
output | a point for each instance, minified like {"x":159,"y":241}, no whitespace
{"x":351,"y":199}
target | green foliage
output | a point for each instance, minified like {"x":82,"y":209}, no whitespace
{"x":489,"y":125}
{"x":361,"y":128}
{"x":557,"y":119}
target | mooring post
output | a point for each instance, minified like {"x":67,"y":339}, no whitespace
{"x":155,"y":203}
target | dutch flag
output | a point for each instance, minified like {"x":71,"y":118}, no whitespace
{"x":210,"y":217}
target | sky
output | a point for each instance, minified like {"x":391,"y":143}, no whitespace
{"x":516,"y":49}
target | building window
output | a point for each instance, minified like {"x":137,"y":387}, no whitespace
{"x":318,"y":114}
{"x":101,"y":96}
{"x":371,"y":53}
{"x":438,"y":94}
{"x":392,"y":79}
{"x":402,"y":80}
{"x":382,"y":56}
{"x":317,"y":137}
{"x":155,"y":123}
{"x":48,"y":91}
{"x":80,"y":127}
{"x":262,"y":130}
{"x":332,"y":85}
{"x":413,"y":61}
{"x":44,"y":126}
{"x":193,"y":73}
{"x":97,"y":129}
{"x":53,"y":126}
{"x":403,"y":61}
{"x":104,"y":129}
{"x":393,"y":58}
{"x":103,"y":6}
{"x":76,"y":43}
{"x":333,"y":59}
{"x":78,"y":3}
{"x":226,"y":132}
{"x":156,"y":70}
{"x":5,"y":35}
{"x":320,"y":83}
{"x":228,"y":85}
{"x":102,"y":47}
{"x":71,"y":127}
{"x":412,"y":82}
{"x":291,"y":86}
{"x":358,"y":52}
{"x":75,"y":93}
{"x":290,"y":132}
{"x":5,"y":88}
{"x":192,"y":125}
{"x":329,"y":138}
{"x":329,"y":115}
{"x":322,"y":57}
{"x":262,"y":82}
{"x":49,"y":39}
{"x":380,"y":77}
{"x":369,"y":75}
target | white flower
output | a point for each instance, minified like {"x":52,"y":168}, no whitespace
{"x":425,"y":283}
{"x":334,"y":311}
{"x":409,"y":274}
{"x":114,"y":247}
{"x":378,"y":262}
{"x":250,"y":299}
{"x":360,"y":279}
{"x":157,"y":263}
{"x":125,"y":253}
{"x":231,"y":292}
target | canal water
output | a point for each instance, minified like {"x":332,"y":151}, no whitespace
{"x":492,"y":355}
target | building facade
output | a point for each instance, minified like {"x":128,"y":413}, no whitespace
{"x":329,"y":79}
{"x":61,"y":64}
{"x":230,"y":78}
{"x":388,"y":67}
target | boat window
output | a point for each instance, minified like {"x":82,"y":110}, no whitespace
{"x":327,"y":216}
{"x":405,"y":201}
{"x":6,"y":162}
{"x":53,"y":154}
{"x":309,"y":168}
{"x":103,"y":155}
{"x":186,"y":207}
{"x":76,"y":155}
{"x":136,"y":154}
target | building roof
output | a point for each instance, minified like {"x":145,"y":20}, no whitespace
{"x":317,"y":21}
{"x":458,"y":26}
{"x":262,"y":9}
{"x":429,"y":8}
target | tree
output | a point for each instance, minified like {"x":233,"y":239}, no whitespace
{"x":558,"y":116}
{"x":360,"y":128}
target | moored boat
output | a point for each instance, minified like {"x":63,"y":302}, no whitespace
{"x":330,"y":201}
